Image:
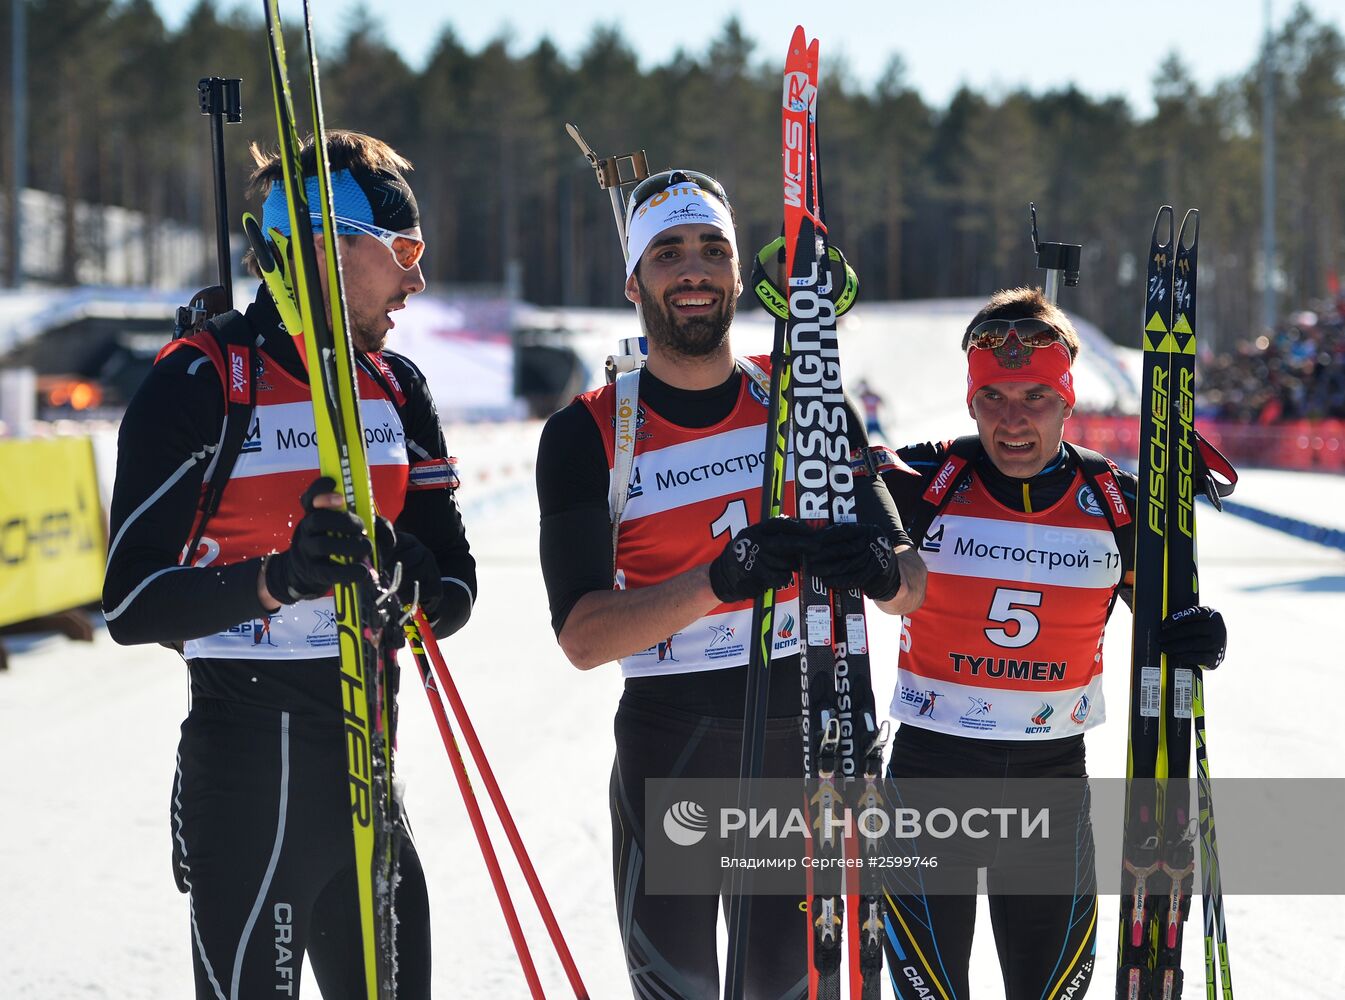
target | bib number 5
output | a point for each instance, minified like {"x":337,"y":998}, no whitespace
{"x":1012,"y":606}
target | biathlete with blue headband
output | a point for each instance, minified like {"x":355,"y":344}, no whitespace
{"x":260,"y":812}
{"x":660,"y":572}
{"x":1029,"y":540}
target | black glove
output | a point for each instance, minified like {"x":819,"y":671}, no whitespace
{"x":759,"y":558}
{"x":309,"y":569}
{"x":1194,"y":636}
{"x":857,"y":555}
{"x":420,"y":580}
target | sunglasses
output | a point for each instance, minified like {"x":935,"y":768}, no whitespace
{"x":405,"y":250}
{"x":656,"y":184}
{"x":992,"y":333}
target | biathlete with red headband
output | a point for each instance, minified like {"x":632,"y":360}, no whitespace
{"x":657,"y":567}
{"x":260,"y":809}
{"x":1001,"y":668}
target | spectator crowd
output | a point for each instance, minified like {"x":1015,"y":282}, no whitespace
{"x":1295,"y":373}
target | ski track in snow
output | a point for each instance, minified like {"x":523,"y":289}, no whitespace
{"x":88,"y":908}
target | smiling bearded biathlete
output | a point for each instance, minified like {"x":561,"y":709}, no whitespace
{"x":1028,"y":541}
{"x":673,"y":603}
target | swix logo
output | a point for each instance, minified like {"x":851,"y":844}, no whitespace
{"x":943,"y":479}
{"x":238,"y":375}
{"x":1112,"y":489}
{"x":386,"y":372}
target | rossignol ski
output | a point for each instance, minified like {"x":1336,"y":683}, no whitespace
{"x":361,"y":613}
{"x":1159,"y":847}
{"x":775,"y":459}
{"x":842,"y":742}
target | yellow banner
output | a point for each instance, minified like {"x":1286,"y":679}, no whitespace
{"x":52,"y":540}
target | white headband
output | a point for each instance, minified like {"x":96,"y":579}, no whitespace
{"x":682,"y":204}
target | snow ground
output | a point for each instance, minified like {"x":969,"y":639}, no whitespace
{"x":88,"y":908}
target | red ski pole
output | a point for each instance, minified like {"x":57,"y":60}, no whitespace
{"x":450,"y":690}
{"x":474,"y":811}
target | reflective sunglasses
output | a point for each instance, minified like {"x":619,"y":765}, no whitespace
{"x":992,"y":333}
{"x":656,"y":184}
{"x":405,"y":250}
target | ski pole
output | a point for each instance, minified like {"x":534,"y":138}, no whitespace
{"x":478,"y":821}
{"x":425,"y":635}
{"x":221,"y":100}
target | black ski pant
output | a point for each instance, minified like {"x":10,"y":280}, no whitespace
{"x":670,"y":940}
{"x":262,"y":843}
{"x":1046,"y":943}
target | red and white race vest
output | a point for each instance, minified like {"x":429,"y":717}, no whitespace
{"x":690,"y":491}
{"x":1008,"y":643}
{"x":260,"y":508}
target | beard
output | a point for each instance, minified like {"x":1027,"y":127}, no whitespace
{"x":365,"y":337}
{"x":366,"y":332}
{"x":696,"y":337}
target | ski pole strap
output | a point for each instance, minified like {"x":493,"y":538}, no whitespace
{"x":844,"y":281}
{"x":1100,"y":472}
{"x":1215,"y":473}
{"x":627,"y":388}
{"x":227,"y":341}
{"x":623,"y":457}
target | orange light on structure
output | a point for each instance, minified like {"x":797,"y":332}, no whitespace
{"x":74,"y":393}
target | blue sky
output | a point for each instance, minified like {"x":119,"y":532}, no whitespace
{"x":1104,"y":47}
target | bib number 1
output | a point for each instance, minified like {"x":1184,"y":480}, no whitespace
{"x":733,"y":519}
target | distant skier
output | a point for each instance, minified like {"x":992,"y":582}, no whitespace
{"x":691,"y":556}
{"x":873,"y":405}
{"x":1001,"y":668}
{"x":261,"y":811}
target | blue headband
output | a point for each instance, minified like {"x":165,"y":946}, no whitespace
{"x":350,"y":201}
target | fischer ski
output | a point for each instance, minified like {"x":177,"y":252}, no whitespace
{"x":362,"y":613}
{"x":1159,"y":847}
{"x":1218,"y":972}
